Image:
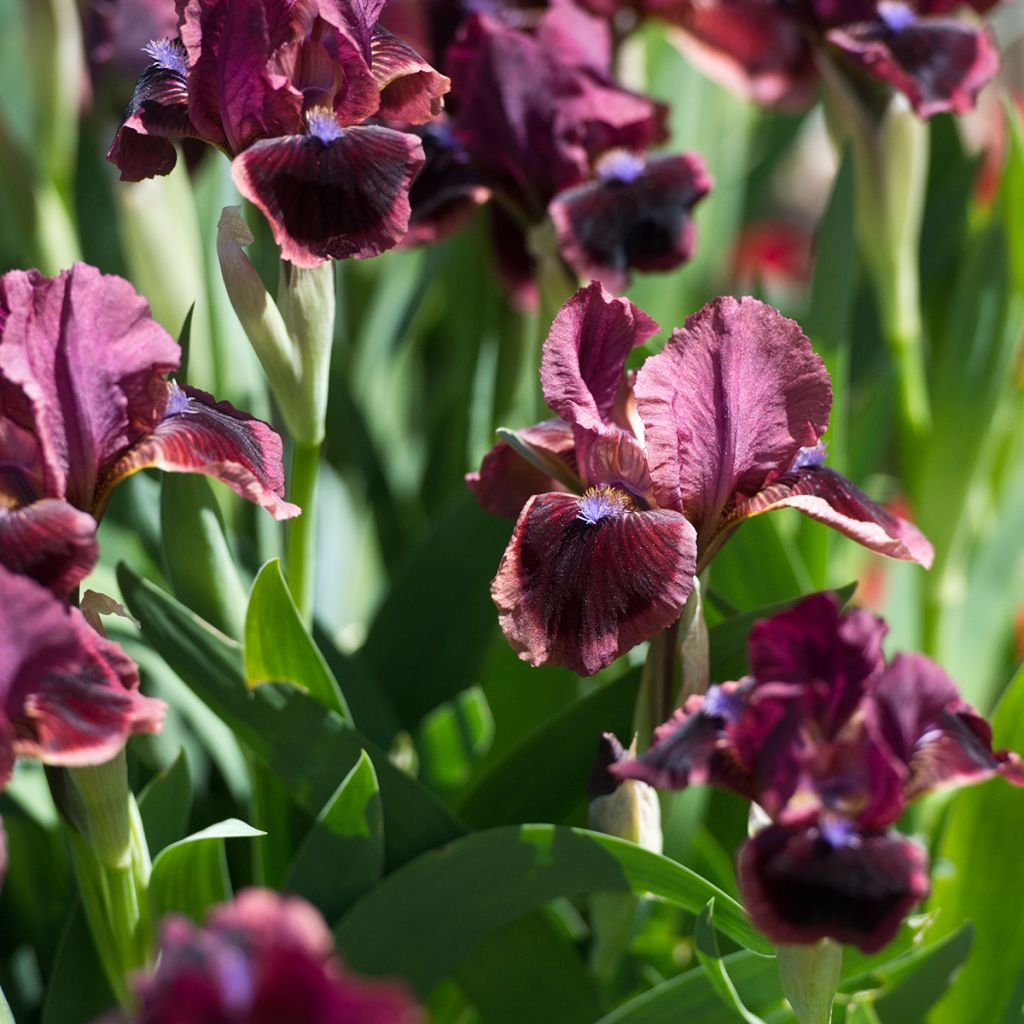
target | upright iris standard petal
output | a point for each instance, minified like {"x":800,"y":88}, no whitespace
{"x":800,"y":885}
{"x":634,"y":213}
{"x":337,"y":194}
{"x":51,"y":541}
{"x":68,"y":696}
{"x":729,"y":402}
{"x":585,"y":579}
{"x":411,"y":90}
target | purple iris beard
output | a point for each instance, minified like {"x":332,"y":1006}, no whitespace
{"x":720,"y":704}
{"x":896,"y":15}
{"x":169,"y":54}
{"x":812,"y":455}
{"x":601,"y":502}
{"x":177,"y":401}
{"x":620,"y":165}
{"x":323,"y":125}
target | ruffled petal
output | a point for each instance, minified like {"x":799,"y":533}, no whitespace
{"x":411,"y":90}
{"x":727,"y":405}
{"x":506,"y":481}
{"x":585,"y":355}
{"x":798,"y":887}
{"x":200,"y":435}
{"x":939,"y":64}
{"x":633,"y":214}
{"x":579,"y":591}
{"x":81,"y":365}
{"x":828,"y":497}
{"x":345,"y":195}
{"x":70,"y":695}
{"x":51,"y":541}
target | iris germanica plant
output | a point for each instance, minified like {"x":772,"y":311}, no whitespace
{"x":832,"y":741}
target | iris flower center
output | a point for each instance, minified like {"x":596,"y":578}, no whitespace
{"x":620,"y":165}
{"x":597,"y":503}
{"x":322,"y":124}
{"x":169,"y":54}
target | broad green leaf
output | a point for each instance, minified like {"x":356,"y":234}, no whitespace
{"x":453,"y":738}
{"x":165,"y":805}
{"x":423,"y":920}
{"x":562,"y":748}
{"x":185,"y":343}
{"x":343,"y":854}
{"x":984,"y":883}
{"x":278,"y":647}
{"x":309,"y":747}
{"x":6,"y":1017}
{"x":706,"y":947}
{"x":77,"y":991}
{"x":192,"y":874}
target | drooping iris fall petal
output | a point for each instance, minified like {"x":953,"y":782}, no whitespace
{"x":583,"y":579}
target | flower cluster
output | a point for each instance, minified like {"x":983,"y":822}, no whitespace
{"x":725,"y":423}
{"x":832,"y":742}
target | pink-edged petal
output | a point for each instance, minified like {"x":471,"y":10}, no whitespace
{"x":585,"y":355}
{"x":157,"y":112}
{"x":411,"y":90}
{"x":506,"y":481}
{"x":82,"y":364}
{"x":200,"y":435}
{"x":51,"y":541}
{"x":800,"y":885}
{"x":69,"y":695}
{"x":825,"y":495}
{"x":633,"y":214}
{"x":940,"y":64}
{"x":343,"y":195}
{"x":579,"y":592}
{"x":727,"y":405}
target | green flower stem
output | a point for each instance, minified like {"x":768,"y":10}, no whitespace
{"x":302,"y":529}
{"x":810,"y":975}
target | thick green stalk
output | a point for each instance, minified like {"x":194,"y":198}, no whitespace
{"x":302,"y":529}
{"x":809,"y":976}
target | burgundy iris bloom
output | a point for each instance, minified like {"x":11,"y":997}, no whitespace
{"x":832,"y":741}
{"x":766,"y":48}
{"x":261,"y":959}
{"x":84,"y":402}
{"x":644,"y":477}
{"x":69,"y":696}
{"x":284,"y":87}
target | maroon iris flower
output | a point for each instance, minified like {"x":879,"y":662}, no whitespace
{"x":766,"y":48}
{"x":69,"y":696}
{"x":725,"y":423}
{"x":84,"y":403}
{"x":261,"y":959}
{"x":832,"y":742}
{"x":284,"y":87}
{"x":539,"y":125}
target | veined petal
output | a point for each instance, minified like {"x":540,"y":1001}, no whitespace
{"x":200,"y":435}
{"x":585,"y":355}
{"x":411,"y":90}
{"x":578,"y":588}
{"x":345,"y":195}
{"x":727,"y":405}
{"x":825,"y":495}
{"x":51,"y":541}
{"x":616,"y":458}
{"x":940,"y":64}
{"x":632,"y":214}
{"x":799,"y":887}
{"x":70,"y":696}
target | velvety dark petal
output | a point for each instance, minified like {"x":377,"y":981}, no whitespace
{"x":358,"y":18}
{"x":940,"y":64}
{"x":411,"y":90}
{"x":201,"y":25}
{"x":505,"y":481}
{"x":604,"y":116}
{"x":157,"y":112}
{"x":798,"y":887}
{"x":580,"y":39}
{"x":81,"y":366}
{"x":585,"y":355}
{"x":70,"y":695}
{"x":823,"y":494}
{"x":579,"y":593}
{"x":639,"y":220}
{"x":344,"y":197}
{"x":200,"y":435}
{"x":51,"y":541}
{"x":727,"y":405}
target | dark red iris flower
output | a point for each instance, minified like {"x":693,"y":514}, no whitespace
{"x":643,"y":477}
{"x":832,"y":741}
{"x":68,"y":696}
{"x":766,"y":49}
{"x":539,"y":126}
{"x":261,"y":959}
{"x":284,"y":87}
{"x":84,"y":403}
